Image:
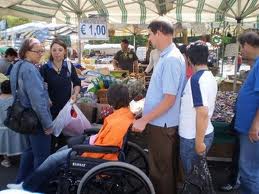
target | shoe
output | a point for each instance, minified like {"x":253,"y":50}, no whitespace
{"x":15,"y":186}
{"x":226,"y":188}
{"x":229,"y":187}
{"x":6,"y":163}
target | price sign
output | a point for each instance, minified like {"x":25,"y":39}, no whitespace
{"x":199,"y":28}
{"x":94,"y":29}
{"x":231,"y":50}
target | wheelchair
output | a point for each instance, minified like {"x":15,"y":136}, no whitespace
{"x":128,"y":175}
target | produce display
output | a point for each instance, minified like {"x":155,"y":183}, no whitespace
{"x":224,"y":107}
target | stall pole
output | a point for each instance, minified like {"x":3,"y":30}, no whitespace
{"x":79,"y":39}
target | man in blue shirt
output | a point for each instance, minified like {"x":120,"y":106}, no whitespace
{"x":162,"y":107}
{"x":247,"y":117}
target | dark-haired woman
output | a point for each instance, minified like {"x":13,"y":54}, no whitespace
{"x":59,"y":75}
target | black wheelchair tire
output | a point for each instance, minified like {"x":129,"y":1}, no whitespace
{"x":119,"y":166}
{"x":138,"y":150}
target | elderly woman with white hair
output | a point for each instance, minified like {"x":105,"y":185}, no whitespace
{"x":32,"y":94}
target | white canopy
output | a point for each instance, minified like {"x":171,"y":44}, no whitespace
{"x":134,"y":11}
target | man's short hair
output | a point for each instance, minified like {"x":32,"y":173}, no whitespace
{"x":125,"y":41}
{"x":6,"y":87}
{"x":198,"y":52}
{"x":163,"y":26}
{"x":251,"y":38}
{"x":11,"y":52}
{"x":182,"y":48}
{"x":118,"y":96}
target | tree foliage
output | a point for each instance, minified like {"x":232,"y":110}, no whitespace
{"x":15,"y":21}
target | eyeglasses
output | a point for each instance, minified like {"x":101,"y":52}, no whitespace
{"x":38,"y":52}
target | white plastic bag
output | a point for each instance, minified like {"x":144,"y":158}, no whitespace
{"x":136,"y":107}
{"x":77,"y":124}
{"x":69,"y":125}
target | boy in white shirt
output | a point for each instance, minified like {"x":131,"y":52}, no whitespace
{"x":197,"y":106}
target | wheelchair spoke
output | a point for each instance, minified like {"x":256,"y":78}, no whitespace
{"x":137,"y":157}
{"x":114,"y":181}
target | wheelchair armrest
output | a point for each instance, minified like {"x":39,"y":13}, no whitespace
{"x":91,"y":131}
{"x":96,"y":149}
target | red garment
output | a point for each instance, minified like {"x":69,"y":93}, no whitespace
{"x":189,"y":71}
{"x":239,"y":59}
{"x":112,"y":132}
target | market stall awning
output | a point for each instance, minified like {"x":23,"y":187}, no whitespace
{"x":134,"y":11}
{"x":117,"y":11}
{"x":213,"y":10}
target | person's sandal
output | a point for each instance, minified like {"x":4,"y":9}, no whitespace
{"x":6,"y":163}
{"x":226,"y":188}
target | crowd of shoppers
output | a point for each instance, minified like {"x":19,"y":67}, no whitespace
{"x":177,"y":112}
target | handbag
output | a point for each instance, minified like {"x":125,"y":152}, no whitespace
{"x":199,"y":181}
{"x":19,"y":118}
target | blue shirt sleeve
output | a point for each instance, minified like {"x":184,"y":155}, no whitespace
{"x":171,"y":76}
{"x":256,"y":83}
{"x":196,"y":90}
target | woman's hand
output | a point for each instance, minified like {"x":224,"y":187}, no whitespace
{"x":74,"y":98}
{"x":48,"y":131}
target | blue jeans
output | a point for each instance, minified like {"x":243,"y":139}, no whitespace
{"x":188,"y":154}
{"x":249,"y":165}
{"x":34,"y":155}
{"x":48,"y":169}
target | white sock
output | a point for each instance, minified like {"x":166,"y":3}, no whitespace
{"x":15,"y":186}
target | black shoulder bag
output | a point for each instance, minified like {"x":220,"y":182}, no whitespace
{"x":199,"y":181}
{"x":20,"y":119}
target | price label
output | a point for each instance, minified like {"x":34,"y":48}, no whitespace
{"x":94,"y":29}
{"x":199,"y":28}
{"x":231,"y":50}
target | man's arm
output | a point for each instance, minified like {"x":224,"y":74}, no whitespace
{"x":151,"y":63}
{"x":167,"y":102}
{"x":202,"y":116}
{"x":115,"y":64}
{"x":135,"y":65}
{"x":254,"y":130}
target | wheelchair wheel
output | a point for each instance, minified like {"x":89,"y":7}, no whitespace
{"x":115,"y":178}
{"x":135,"y":155}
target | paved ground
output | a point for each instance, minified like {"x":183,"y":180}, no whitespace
{"x":219,"y":172}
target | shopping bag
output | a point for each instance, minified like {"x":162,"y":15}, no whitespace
{"x":77,"y":124}
{"x":199,"y":180}
{"x":63,"y":119}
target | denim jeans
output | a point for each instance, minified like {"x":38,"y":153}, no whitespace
{"x":188,"y":154}
{"x":34,"y":155}
{"x":48,"y":169}
{"x":249,"y":165}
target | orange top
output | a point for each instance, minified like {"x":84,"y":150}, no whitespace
{"x":114,"y":128}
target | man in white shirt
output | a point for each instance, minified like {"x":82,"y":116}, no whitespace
{"x":197,"y":106}
{"x":153,"y":59}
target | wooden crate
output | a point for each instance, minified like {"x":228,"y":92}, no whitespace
{"x":102,"y":96}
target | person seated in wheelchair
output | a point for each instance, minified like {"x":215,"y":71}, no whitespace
{"x":112,"y":133}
